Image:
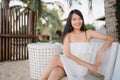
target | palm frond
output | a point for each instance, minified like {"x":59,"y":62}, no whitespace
{"x":56,"y":3}
{"x":70,"y":2}
{"x":51,"y":17}
{"x":90,"y":4}
{"x":59,"y":5}
{"x":49,"y":3}
{"x":78,"y":1}
{"x":37,"y":5}
{"x":34,"y":5}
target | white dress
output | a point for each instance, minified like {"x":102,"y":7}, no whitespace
{"x":73,"y":70}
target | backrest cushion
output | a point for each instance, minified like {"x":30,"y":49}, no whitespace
{"x":109,"y":57}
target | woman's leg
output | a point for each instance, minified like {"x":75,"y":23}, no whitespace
{"x":57,"y":73}
{"x":54,"y":62}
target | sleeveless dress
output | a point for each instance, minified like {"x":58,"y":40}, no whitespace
{"x":73,"y":70}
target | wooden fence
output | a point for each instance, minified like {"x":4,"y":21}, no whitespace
{"x":16,"y":31}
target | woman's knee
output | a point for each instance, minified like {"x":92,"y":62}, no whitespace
{"x":57,"y":70}
{"x":55,"y":58}
{"x":57,"y":73}
{"x":55,"y":61}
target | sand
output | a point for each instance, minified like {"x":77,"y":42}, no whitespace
{"x":15,"y":70}
{"x":19,"y":70}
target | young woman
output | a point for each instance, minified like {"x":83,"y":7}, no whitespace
{"x":75,"y":59}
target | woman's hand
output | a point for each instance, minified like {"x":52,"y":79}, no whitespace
{"x":93,"y":68}
{"x":98,"y":60}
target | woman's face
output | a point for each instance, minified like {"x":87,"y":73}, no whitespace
{"x":76,"y":21}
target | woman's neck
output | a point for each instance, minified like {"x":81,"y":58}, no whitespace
{"x":77,"y":31}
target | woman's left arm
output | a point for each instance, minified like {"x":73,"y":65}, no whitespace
{"x":108,"y":42}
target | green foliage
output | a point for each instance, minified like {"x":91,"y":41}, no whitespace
{"x":38,"y":5}
{"x":54,"y":21}
{"x":56,"y":39}
{"x":58,"y":4}
{"x":34,"y":5}
{"x":44,"y":12}
{"x":90,"y":26}
{"x":49,"y":15}
{"x":70,"y":2}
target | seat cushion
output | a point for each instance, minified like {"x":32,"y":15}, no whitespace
{"x":90,"y":76}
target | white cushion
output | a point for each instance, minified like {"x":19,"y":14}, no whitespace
{"x":116,"y":74}
{"x":109,"y":57}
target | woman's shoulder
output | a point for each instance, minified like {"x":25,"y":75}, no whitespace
{"x":69,"y":34}
{"x":89,"y":31}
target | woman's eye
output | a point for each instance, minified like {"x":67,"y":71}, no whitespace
{"x":74,"y":19}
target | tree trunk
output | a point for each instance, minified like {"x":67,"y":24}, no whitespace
{"x":111,"y":19}
{"x":5,"y":3}
{"x":118,"y":17}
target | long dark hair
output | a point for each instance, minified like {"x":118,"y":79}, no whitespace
{"x":68,"y":27}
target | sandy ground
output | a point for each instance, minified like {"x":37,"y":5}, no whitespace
{"x":15,"y":70}
{"x":19,"y":70}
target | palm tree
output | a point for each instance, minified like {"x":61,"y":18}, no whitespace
{"x":5,"y":3}
{"x":112,"y":17}
{"x":40,"y":7}
{"x":112,"y":11}
{"x":31,"y":4}
{"x":70,"y":2}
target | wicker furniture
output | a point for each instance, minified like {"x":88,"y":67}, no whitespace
{"x":39,"y":56}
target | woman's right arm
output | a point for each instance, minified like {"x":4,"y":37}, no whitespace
{"x":66,"y":51}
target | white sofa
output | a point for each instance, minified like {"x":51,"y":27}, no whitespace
{"x":116,"y":73}
{"x":106,"y":68}
{"x":109,"y":58}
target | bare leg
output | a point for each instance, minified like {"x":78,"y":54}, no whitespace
{"x":56,"y":74}
{"x":54,"y":62}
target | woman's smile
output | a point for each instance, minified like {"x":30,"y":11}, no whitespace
{"x":76,"y":21}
